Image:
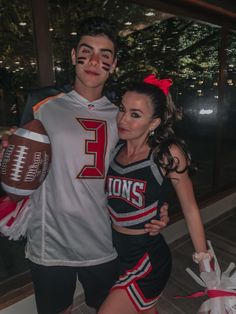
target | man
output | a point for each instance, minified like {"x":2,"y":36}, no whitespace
{"x":69,"y":234}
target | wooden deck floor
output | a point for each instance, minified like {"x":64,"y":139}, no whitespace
{"x":222,"y":234}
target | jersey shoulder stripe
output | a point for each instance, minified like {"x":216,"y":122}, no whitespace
{"x":44,"y":101}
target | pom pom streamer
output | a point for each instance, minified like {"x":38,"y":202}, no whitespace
{"x":220,"y":287}
{"x":14,"y":217}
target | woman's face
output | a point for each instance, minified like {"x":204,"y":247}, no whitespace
{"x":135,"y":117}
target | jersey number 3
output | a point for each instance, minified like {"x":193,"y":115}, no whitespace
{"x":96,"y":147}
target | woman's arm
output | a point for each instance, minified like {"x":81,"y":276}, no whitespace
{"x":184,"y":190}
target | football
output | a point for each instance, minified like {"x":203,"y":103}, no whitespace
{"x":26,"y":160}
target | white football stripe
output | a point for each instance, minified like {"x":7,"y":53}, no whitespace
{"x":32,"y":135}
{"x":16,"y":191}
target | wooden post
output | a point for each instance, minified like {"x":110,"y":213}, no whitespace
{"x":43,"y":43}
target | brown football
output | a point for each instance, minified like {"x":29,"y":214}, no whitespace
{"x":26,"y":160}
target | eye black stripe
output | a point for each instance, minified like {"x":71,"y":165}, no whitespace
{"x":106,"y":64}
{"x":80,"y":60}
{"x":105,"y":69}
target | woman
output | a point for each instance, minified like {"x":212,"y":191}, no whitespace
{"x":148,"y":155}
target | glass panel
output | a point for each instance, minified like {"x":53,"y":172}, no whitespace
{"x":228,"y":151}
{"x":18,"y":70}
{"x":198,"y":96}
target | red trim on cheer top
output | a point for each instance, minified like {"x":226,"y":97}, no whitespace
{"x":132,"y":217}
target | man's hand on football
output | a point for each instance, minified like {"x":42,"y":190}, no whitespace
{"x":5,"y":140}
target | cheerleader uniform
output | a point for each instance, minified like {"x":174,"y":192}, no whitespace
{"x":134,"y":194}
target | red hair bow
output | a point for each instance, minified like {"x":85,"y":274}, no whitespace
{"x":162,"y":84}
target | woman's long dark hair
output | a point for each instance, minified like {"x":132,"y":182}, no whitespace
{"x":163,"y":136}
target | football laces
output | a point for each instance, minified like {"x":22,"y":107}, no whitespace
{"x":18,"y":162}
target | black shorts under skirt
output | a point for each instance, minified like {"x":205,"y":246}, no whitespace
{"x":145,"y":267}
{"x":55,"y":285}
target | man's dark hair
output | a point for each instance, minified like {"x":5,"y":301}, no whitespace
{"x":97,"y":25}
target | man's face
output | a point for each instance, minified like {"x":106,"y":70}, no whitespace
{"x":94,"y":59}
